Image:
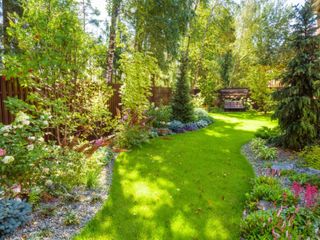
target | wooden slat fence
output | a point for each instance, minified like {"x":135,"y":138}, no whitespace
{"x":160,"y":95}
{"x":11,"y":88}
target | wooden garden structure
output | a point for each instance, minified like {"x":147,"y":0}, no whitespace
{"x":233,"y":99}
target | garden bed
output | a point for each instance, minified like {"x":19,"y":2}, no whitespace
{"x":284,"y":200}
{"x":285,"y":161}
{"x":63,"y":217}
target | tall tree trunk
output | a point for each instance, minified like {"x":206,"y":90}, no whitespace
{"x":112,"y":39}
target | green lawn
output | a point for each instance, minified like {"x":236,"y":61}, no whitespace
{"x":188,"y":186}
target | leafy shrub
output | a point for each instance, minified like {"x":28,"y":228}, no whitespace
{"x":311,"y":156}
{"x":94,"y":165}
{"x":290,"y":223}
{"x":136,"y":89}
{"x":198,"y":101}
{"x":267,"y":153}
{"x":13,"y":214}
{"x":269,"y":189}
{"x":131,"y":136}
{"x":257,"y":143}
{"x":29,"y":162}
{"x":160,"y":115}
{"x":262,"y":151}
{"x":35,"y":196}
{"x":201,"y":114}
{"x":267,"y":133}
{"x":176,"y":126}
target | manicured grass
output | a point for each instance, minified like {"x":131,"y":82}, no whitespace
{"x":188,"y":186}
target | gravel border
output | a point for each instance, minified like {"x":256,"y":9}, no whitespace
{"x":285,"y":160}
{"x":88,"y":203}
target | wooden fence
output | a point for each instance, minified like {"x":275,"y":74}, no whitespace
{"x":9,"y":89}
{"x":160,"y":95}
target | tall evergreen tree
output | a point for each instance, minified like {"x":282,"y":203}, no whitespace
{"x":298,"y":106}
{"x":182,"y":108}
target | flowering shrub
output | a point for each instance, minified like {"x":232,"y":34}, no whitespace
{"x":27,"y":160}
{"x":129,"y":136}
{"x":311,"y":195}
{"x":290,"y":223}
{"x":297,"y":189}
{"x":269,"y":189}
{"x":201,"y":114}
{"x":159,"y":116}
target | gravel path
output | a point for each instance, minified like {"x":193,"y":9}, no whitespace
{"x":85,"y":205}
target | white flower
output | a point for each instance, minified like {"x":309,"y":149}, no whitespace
{"x":46,"y":170}
{"x":6,"y":134}
{"x":41,"y":139}
{"x":6,"y":128}
{"x":30,"y":147}
{"x":49,"y":183}
{"x":8,"y":159}
{"x":25,"y":122}
{"x":46,"y":123}
{"x":21,"y":117}
{"x":32,"y":138}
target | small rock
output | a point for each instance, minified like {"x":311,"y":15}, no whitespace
{"x":264,"y":205}
{"x":284,"y":166}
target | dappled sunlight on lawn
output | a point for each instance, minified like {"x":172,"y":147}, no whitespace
{"x":187,"y":186}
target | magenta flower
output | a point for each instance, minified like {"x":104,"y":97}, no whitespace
{"x":99,"y":142}
{"x":297,"y":189}
{"x":2,"y":152}
{"x":311,"y":195}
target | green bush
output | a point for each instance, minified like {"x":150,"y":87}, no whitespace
{"x":268,"y":189}
{"x":262,"y":151}
{"x":201,"y":114}
{"x":269,"y":134}
{"x":130,"y":136}
{"x":267,"y":153}
{"x":159,"y":115}
{"x":257,"y":143}
{"x":94,"y":165}
{"x":311,"y":156}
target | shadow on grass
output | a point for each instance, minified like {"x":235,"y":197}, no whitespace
{"x":191,"y":187}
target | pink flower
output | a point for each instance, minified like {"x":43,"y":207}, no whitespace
{"x":99,"y":142}
{"x":311,"y":195}
{"x":297,"y":189}
{"x":2,"y":152}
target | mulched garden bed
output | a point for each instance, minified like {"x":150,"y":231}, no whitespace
{"x":48,"y":220}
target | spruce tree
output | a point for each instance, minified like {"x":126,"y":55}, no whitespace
{"x":298,"y":102}
{"x":182,"y":108}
